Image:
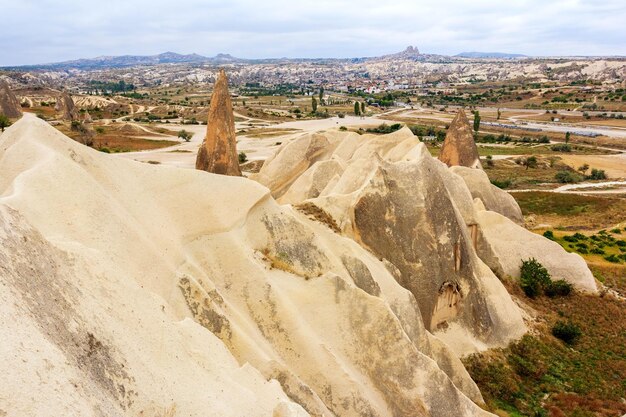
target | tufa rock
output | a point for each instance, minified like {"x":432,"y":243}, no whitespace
{"x":9,"y":104}
{"x":218,"y":152}
{"x":459,"y":147}
{"x":65,"y":106}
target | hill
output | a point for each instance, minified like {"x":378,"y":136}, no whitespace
{"x":502,"y":55}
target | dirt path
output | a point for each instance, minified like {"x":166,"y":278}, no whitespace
{"x":614,"y":165}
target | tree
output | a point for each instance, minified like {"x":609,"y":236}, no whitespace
{"x":321,"y":95}
{"x":490,"y":161}
{"x":184,"y":135}
{"x":4,"y":122}
{"x":357,"y":108}
{"x":567,"y":136}
{"x":243,"y":158}
{"x":362,"y":107}
{"x":583,"y":168}
{"x":534,"y":277}
{"x":314,"y":104}
{"x":476,"y":121}
{"x":499,"y":114}
{"x":531,"y":162}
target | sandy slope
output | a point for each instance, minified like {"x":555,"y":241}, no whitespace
{"x":133,"y":289}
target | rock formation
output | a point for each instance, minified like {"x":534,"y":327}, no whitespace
{"x":226,"y":303}
{"x":494,"y":198}
{"x":390,"y":195}
{"x":9,"y":104}
{"x":66,"y":108}
{"x":459,"y":147}
{"x":508,"y":244}
{"x":218,"y":152}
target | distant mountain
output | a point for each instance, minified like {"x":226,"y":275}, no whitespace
{"x":411,"y":53}
{"x":102,"y":62}
{"x":502,"y":55}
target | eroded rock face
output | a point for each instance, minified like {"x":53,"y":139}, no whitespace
{"x":509,"y":244}
{"x":218,"y":152}
{"x":233,"y":305}
{"x":459,"y":147}
{"x":9,"y":104}
{"x":65,"y":106}
{"x":492,"y":197}
{"x":389,"y":195}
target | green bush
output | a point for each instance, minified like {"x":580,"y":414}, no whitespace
{"x":567,"y":177}
{"x":559,"y":287}
{"x":597,"y":174}
{"x":567,"y":332}
{"x":502,"y":183}
{"x":612,"y":258}
{"x":534,"y":277}
{"x":561,"y":148}
{"x":548,"y":234}
{"x":385,"y":128}
{"x":243,"y":157}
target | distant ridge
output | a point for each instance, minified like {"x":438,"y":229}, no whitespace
{"x":503,"y":55}
{"x":133,"y":60}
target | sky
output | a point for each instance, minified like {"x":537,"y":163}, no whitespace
{"x":44,"y":31}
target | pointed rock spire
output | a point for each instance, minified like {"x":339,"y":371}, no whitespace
{"x":459,"y":148}
{"x":9,"y":104}
{"x":65,"y":106}
{"x":218,"y":152}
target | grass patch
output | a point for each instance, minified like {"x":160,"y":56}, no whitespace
{"x":573,"y":211}
{"x":541,"y":375}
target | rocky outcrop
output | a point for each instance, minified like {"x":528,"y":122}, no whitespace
{"x":388,"y":194}
{"x":66,"y":108}
{"x":218,"y":152}
{"x":9,"y":104}
{"x":494,"y":198}
{"x":459,"y":147}
{"x":508,"y":244}
{"x":225,"y":303}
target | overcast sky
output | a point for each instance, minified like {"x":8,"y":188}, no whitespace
{"x":42,"y":31}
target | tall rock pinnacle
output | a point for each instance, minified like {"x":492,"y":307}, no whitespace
{"x":218,"y":152}
{"x":9,"y":104}
{"x":65,"y":106}
{"x":459,"y":147}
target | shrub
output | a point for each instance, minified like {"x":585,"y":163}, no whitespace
{"x":567,"y":177}
{"x":612,"y":258}
{"x":548,"y":234}
{"x":4,"y":122}
{"x":343,"y":128}
{"x":243,"y":157}
{"x":502,"y":183}
{"x":385,"y":128}
{"x":567,"y":332}
{"x":597,"y":174}
{"x":561,"y":148}
{"x":559,"y":287}
{"x":597,"y":251}
{"x":570,"y":238}
{"x":184,"y":135}
{"x":533,"y":277}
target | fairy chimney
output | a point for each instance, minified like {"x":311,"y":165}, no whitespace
{"x":9,"y":104}
{"x":459,"y":148}
{"x":218,"y":152}
{"x":65,"y":106}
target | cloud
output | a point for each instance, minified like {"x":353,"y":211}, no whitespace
{"x":37,"y":31}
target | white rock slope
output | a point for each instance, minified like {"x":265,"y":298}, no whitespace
{"x":128,"y":289}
